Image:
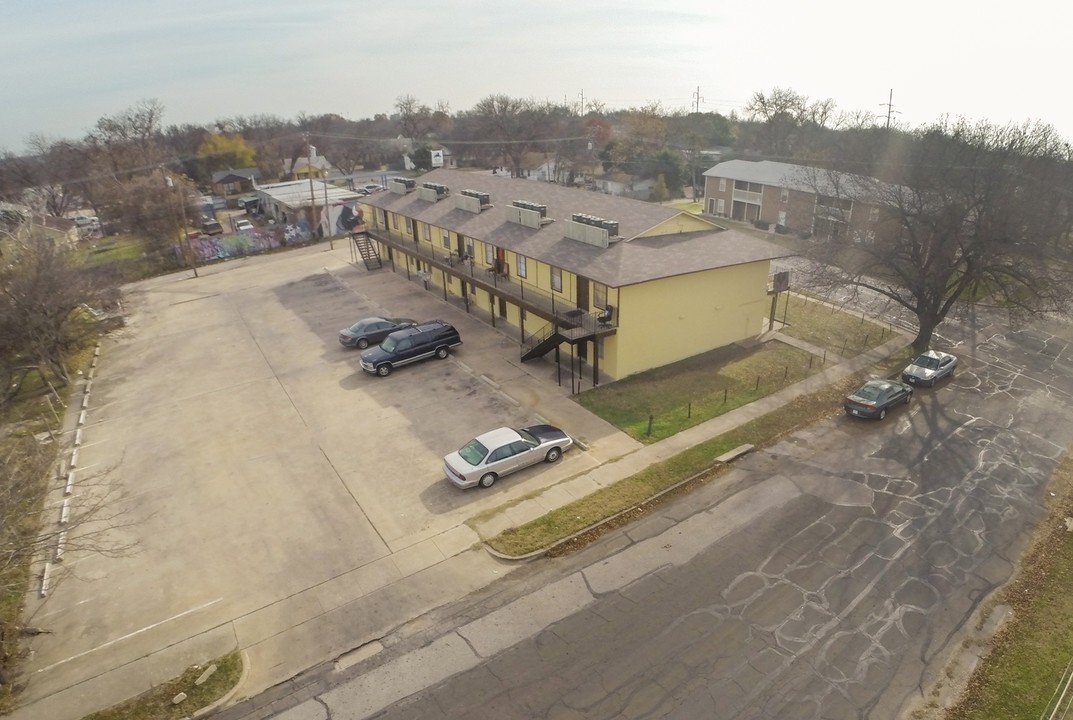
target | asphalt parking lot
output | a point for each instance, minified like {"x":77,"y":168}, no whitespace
{"x":270,"y":486}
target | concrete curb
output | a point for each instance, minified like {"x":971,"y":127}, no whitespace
{"x":230,"y":694}
{"x":720,"y":465}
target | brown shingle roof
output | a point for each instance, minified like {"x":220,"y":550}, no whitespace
{"x":633,"y":260}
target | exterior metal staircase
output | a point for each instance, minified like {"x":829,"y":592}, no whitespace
{"x":367,"y":249}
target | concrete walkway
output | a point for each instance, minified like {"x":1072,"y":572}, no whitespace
{"x":611,"y":472}
{"x":365,"y":694}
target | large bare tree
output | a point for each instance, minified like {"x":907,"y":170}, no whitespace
{"x":967,"y":213}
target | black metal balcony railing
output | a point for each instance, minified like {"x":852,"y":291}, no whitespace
{"x":496,"y":280}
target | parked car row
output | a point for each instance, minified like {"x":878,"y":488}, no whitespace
{"x":875,"y":397}
{"x":388,"y":342}
{"x":401,"y":341}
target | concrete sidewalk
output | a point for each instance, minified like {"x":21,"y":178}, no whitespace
{"x":405,"y":674}
{"x":628,"y":464}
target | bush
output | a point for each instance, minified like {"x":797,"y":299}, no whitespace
{"x":761,"y":224}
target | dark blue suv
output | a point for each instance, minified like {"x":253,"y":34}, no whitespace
{"x":410,"y":345}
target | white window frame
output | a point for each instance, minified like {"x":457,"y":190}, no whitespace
{"x":556,"y":279}
{"x":521,"y":270}
{"x":722,"y":184}
{"x":428,"y":233}
{"x":721,"y":207}
{"x":489,"y":254}
{"x":445,"y":238}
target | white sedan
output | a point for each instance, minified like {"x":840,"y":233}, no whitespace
{"x":930,"y":367}
{"x":500,"y":452}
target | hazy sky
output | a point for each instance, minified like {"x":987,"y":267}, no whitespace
{"x":65,"y":64}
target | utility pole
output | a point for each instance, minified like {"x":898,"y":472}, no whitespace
{"x":582,"y":97}
{"x":312,"y":197}
{"x":697,"y":100}
{"x":890,"y":107}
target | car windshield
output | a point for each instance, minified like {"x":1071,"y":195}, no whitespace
{"x":927,"y":362}
{"x":359,"y":326}
{"x":473,"y":452}
{"x":869,"y":392}
{"x":529,"y":438}
{"x":389,"y":344}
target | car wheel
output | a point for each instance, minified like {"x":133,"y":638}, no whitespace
{"x":553,"y":455}
{"x":441,"y":353}
{"x":363,"y":343}
{"x":487,"y":480}
{"x":883,"y":413}
{"x":383,"y":370}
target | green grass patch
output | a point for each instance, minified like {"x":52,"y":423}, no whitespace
{"x":157,"y":703}
{"x":688,"y":392}
{"x":658,"y":403}
{"x":639,"y":488}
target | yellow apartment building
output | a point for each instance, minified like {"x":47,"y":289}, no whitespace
{"x":622,"y":285}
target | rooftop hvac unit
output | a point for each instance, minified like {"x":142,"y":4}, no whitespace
{"x":440,"y":189}
{"x":483,"y":197}
{"x":535,"y":207}
{"x":610,"y":226}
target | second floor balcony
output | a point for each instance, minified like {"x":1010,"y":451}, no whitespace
{"x":497,"y":280}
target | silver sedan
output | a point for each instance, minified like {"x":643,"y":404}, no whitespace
{"x":500,"y":452}
{"x":930,"y":367}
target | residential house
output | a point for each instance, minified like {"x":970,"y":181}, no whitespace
{"x":625,"y":185}
{"x":303,"y":168}
{"x":792,"y":198}
{"x":236,"y":185}
{"x":623,"y":285}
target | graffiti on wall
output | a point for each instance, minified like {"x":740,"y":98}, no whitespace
{"x":221,"y":247}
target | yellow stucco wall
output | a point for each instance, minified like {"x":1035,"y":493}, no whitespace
{"x":675,"y":318}
{"x":659,"y":322}
{"x":682,"y":222}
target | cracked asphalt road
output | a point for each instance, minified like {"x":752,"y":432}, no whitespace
{"x":841,"y":603}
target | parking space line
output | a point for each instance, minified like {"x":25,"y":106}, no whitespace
{"x":130,"y":635}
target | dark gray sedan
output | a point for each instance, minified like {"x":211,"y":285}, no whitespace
{"x":875,"y":397}
{"x":371,"y":331}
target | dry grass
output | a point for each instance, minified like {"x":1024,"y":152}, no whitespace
{"x":658,"y":403}
{"x":632,"y":495}
{"x":157,"y":703}
{"x":1031,"y":653}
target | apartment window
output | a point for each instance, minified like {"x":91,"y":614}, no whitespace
{"x":382,"y":217}
{"x":489,"y":254}
{"x":721,"y":207}
{"x":394,"y":221}
{"x":722,"y":184}
{"x":557,"y":279}
{"x":445,"y":238}
{"x":599,"y":295}
{"x":785,"y":195}
{"x":521,"y":266}
{"x":428,"y":233}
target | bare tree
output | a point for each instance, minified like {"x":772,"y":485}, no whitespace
{"x":780,"y":113}
{"x":41,"y":286}
{"x":973,"y":213}
{"x":130,"y":140}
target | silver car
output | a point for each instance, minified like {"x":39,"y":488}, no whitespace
{"x":930,"y":367}
{"x":500,"y":452}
